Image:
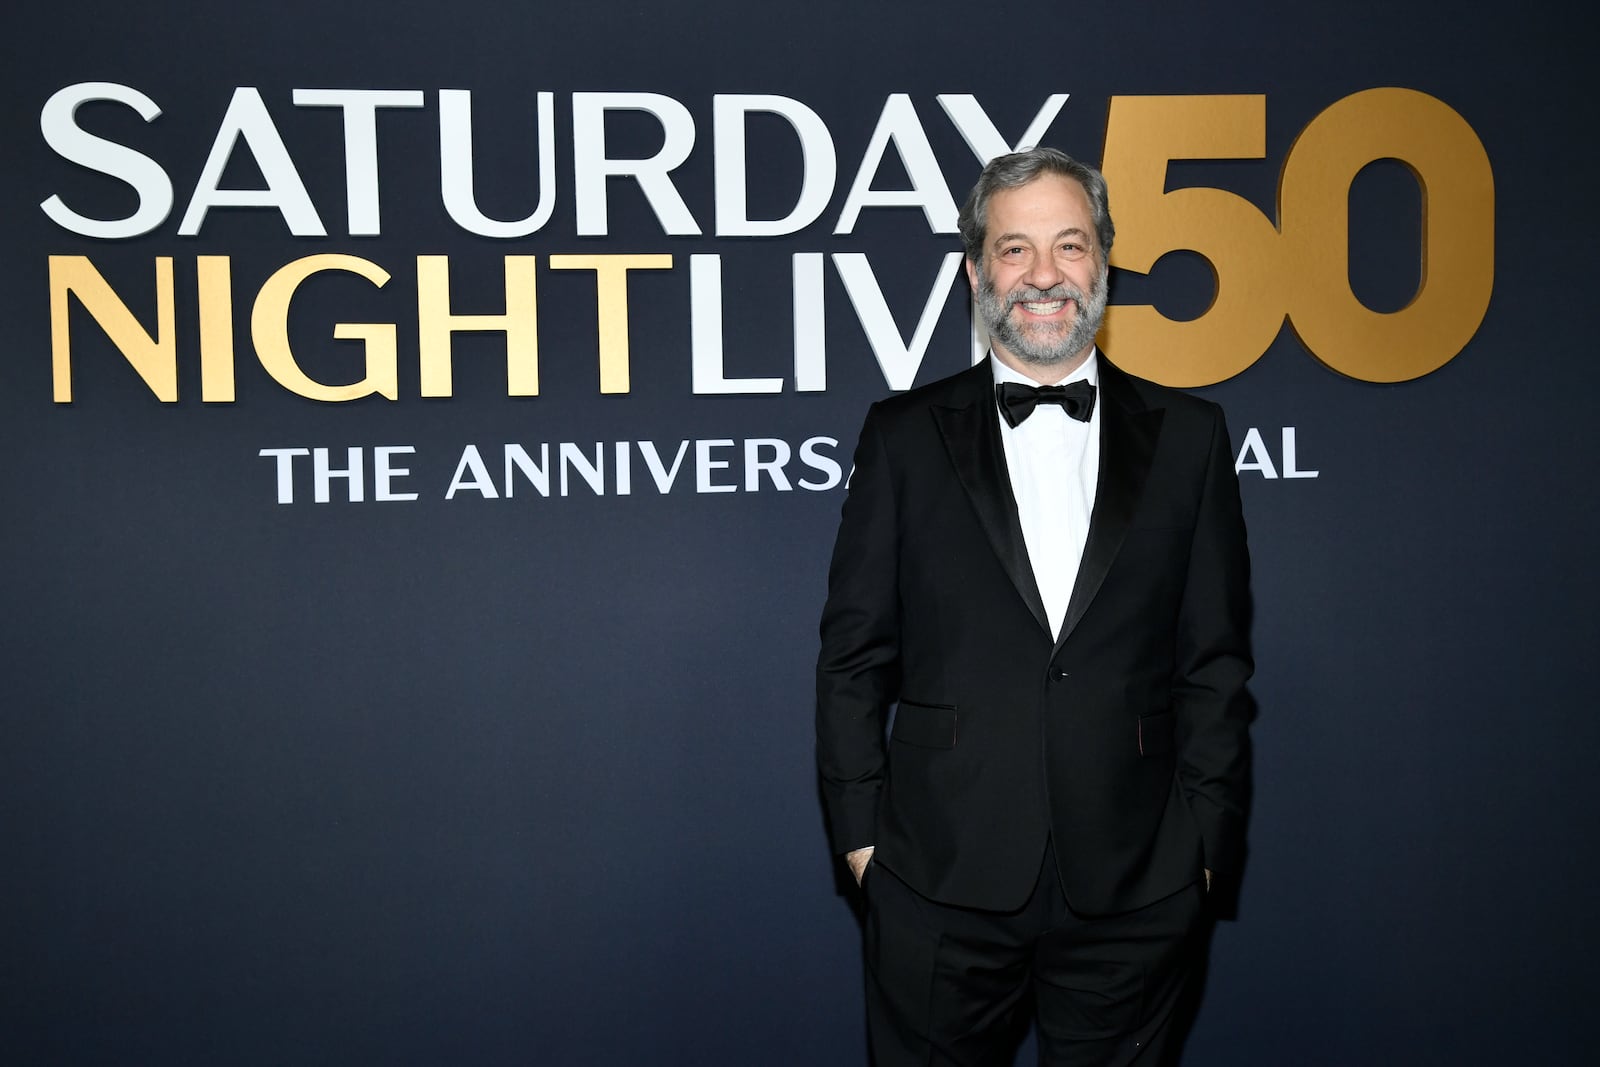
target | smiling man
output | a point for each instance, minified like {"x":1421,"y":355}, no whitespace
{"x":1041,"y":568}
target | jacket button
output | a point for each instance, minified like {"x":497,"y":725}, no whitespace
{"x":1057,"y":674}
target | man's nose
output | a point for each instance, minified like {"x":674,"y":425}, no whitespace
{"x":1044,"y":273}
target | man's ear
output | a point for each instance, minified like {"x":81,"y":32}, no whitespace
{"x":972,"y":274}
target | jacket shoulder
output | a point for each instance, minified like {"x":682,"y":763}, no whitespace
{"x":961,"y":389}
{"x":1152,"y":395}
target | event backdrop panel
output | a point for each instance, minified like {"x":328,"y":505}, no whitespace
{"x":428,"y":426}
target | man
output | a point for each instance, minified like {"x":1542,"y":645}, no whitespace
{"x":1052,"y":587}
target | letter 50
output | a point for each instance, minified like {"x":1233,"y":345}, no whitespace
{"x":1300,"y":267}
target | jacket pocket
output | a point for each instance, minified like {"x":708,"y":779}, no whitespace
{"x":1156,"y":734}
{"x":926,"y":725}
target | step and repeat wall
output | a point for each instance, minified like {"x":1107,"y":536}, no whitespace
{"x":426,"y":427}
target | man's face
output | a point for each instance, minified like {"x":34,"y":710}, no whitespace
{"x":1041,"y":287}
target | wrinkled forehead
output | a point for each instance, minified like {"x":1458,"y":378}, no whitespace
{"x":1040,"y":211}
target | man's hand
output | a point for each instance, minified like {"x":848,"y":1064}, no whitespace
{"x":1208,"y":879}
{"x":859,"y":858}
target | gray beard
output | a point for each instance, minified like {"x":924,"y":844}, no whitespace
{"x":1042,"y":345}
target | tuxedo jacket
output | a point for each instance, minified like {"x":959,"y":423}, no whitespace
{"x":1122,"y":739}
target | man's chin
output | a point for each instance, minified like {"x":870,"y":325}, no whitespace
{"x":1044,"y":351}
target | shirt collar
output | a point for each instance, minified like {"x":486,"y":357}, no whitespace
{"x":1087,"y":371}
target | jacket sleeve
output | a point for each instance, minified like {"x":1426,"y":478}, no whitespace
{"x":858,"y":670}
{"x":1214,"y":709}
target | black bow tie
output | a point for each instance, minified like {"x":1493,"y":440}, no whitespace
{"x":1017,"y":401}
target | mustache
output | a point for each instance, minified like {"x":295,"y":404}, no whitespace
{"x":1029,"y":295}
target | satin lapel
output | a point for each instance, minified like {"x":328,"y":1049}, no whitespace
{"x":971,"y":433}
{"x":1128,"y":433}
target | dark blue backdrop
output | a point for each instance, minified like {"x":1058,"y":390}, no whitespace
{"x":530,"y":780}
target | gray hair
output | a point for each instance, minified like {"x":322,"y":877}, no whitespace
{"x":1018,"y":169}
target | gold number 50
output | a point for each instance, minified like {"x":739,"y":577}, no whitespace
{"x":1300,"y":268}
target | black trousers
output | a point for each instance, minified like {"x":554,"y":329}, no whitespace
{"x":951,"y":986}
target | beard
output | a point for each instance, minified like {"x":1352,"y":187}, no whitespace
{"x":1043,"y":343}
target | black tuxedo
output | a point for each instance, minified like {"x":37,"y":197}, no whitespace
{"x":1123,"y":740}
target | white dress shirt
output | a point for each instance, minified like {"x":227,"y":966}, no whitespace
{"x":1054,"y":464}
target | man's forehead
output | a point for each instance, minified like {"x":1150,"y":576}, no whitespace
{"x":1042,"y":207}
